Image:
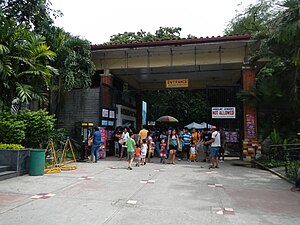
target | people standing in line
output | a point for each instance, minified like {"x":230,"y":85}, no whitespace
{"x":215,"y":142}
{"x":124,"y":138}
{"x":130,"y":144}
{"x":179,"y":149}
{"x":163,"y":135}
{"x":144,"y":149}
{"x":169,"y":131}
{"x":157,"y":141}
{"x":179,"y":132}
{"x":186,"y":137}
{"x":195,"y":140}
{"x":116,"y":139}
{"x":137,"y":155}
{"x":142,"y":134}
{"x":150,"y":146}
{"x":136,"y":136}
{"x":193,"y":153}
{"x":172,"y":145}
{"x":96,"y":145}
{"x":221,"y":156}
{"x":206,"y":136}
{"x":163,"y":152}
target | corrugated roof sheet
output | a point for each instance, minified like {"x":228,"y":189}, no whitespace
{"x":172,"y":42}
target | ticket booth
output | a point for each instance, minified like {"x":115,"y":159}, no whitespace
{"x":84,"y":139}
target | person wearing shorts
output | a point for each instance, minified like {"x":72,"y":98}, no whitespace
{"x":206,"y":136}
{"x":173,"y":143}
{"x":163,"y":151}
{"x":215,"y":142}
{"x":137,"y":155}
{"x":130,"y":144}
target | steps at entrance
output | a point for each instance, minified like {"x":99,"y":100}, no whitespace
{"x":5,"y":173}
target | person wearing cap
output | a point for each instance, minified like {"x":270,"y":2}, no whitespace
{"x":215,"y":142}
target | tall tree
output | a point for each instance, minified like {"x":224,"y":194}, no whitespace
{"x":277,"y":33}
{"x":73,"y":62}
{"x":38,"y":13}
{"x":25,"y":71}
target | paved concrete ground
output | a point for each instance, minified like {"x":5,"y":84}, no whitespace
{"x":178,"y":194}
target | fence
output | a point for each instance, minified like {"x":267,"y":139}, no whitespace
{"x":287,"y":155}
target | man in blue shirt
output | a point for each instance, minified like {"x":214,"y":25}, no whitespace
{"x":186,"y":138}
{"x":96,"y":145}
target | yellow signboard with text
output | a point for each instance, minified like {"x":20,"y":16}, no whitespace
{"x":180,"y":83}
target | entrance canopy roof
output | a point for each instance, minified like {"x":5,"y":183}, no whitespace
{"x":215,"y":61}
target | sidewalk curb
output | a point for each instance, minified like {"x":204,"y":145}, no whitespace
{"x":274,"y":172}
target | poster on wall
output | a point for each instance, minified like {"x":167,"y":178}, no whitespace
{"x":144,"y":113}
{"x":231,"y":136}
{"x":102,"y":150}
{"x":105,"y":113}
{"x":104,"y":123}
{"x":111,"y":114}
{"x":250,"y":125}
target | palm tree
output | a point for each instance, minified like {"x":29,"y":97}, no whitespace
{"x":73,"y":62}
{"x":24,"y":63}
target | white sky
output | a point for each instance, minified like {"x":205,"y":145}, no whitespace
{"x":97,"y":20}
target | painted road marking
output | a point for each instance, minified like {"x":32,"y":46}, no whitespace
{"x":42,"y":196}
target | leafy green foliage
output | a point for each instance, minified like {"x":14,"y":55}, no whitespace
{"x":11,"y":129}
{"x":36,"y":12}
{"x":11,"y":146}
{"x":163,"y":33}
{"x":25,"y":72}
{"x":187,"y":106}
{"x":39,"y":127}
{"x":275,"y":26}
{"x":253,"y":20}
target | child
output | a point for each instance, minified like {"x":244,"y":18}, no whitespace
{"x":181,"y":143}
{"x":137,"y":155}
{"x":163,"y":151}
{"x":130,"y":144}
{"x":193,"y":152}
{"x":144,"y":148}
{"x":150,"y":145}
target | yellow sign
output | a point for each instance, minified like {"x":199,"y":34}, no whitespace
{"x":177,"y":83}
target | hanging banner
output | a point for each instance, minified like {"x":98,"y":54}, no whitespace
{"x":223,"y":112}
{"x":180,"y":83}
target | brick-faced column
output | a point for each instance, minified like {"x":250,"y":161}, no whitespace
{"x":106,"y":81}
{"x":250,"y":143}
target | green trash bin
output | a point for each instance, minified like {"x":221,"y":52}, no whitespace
{"x":36,"y":162}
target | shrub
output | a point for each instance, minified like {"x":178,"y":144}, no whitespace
{"x":12,"y":130}
{"x":10,"y":146}
{"x":39,"y":127}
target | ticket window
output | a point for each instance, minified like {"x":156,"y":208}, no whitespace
{"x":86,"y":132}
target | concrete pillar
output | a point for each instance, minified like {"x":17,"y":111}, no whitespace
{"x":250,"y":143}
{"x":106,"y":85}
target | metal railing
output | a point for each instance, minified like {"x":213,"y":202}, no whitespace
{"x":288,"y":155}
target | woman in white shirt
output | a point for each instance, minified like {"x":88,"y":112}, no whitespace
{"x":124,"y":137}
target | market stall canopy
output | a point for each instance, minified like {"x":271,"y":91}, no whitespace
{"x":194,"y":125}
{"x":167,"y":119}
{"x":205,"y":125}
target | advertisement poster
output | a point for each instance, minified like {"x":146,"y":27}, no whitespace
{"x":105,"y":113}
{"x":111,"y":114}
{"x":231,"y":136}
{"x":102,"y":151}
{"x":250,"y":125}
